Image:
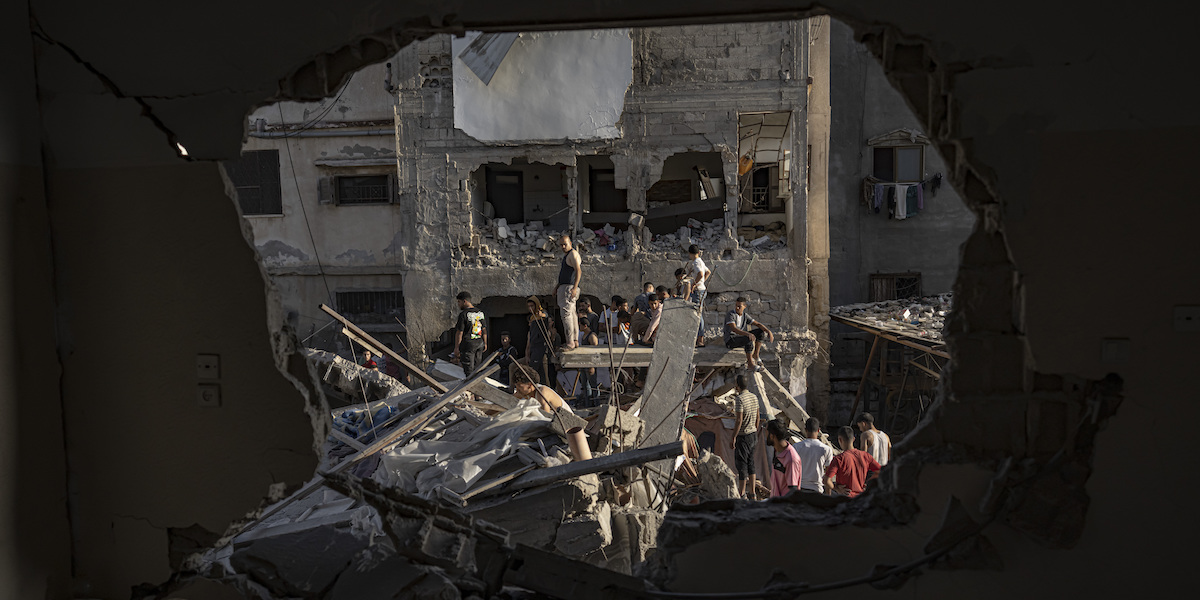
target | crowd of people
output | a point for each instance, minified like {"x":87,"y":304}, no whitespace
{"x":808,"y":465}
{"x":621,"y":323}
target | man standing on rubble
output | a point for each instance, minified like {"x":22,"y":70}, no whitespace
{"x":815,"y":456}
{"x":508,"y":353}
{"x":699,"y":273}
{"x":567,"y":291}
{"x":850,"y":468}
{"x":469,"y":335}
{"x":786,"y":467}
{"x":737,"y":322}
{"x":746,"y":424}
{"x":641,"y":302}
{"x":873,"y":441}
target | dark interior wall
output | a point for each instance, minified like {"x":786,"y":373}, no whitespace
{"x":35,"y":552}
{"x":151,"y":268}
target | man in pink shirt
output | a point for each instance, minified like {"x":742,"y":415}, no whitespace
{"x":785,"y":467}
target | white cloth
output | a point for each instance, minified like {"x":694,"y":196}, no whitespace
{"x":879,"y":446}
{"x":815,"y":455}
{"x":696,"y":269}
{"x":901,"y":203}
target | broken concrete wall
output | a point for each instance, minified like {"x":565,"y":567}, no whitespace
{"x":549,"y":85}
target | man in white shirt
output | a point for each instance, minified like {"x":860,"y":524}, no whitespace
{"x":872,"y":440}
{"x":815,"y":456}
{"x":698,"y":273}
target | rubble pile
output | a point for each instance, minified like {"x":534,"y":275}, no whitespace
{"x":531,"y":242}
{"x":350,"y":381}
{"x":487,"y":455}
{"x":917,"y":317}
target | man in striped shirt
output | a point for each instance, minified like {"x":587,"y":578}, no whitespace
{"x":745,"y":418}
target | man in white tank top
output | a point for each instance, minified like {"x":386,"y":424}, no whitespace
{"x":873,"y":441}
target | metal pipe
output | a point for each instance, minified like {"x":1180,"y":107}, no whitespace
{"x":322,"y":133}
{"x":577,"y":440}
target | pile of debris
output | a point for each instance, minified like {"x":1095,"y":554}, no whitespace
{"x":531,"y":242}
{"x":918,"y":317}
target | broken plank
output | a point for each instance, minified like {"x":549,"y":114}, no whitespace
{"x":381,"y":444}
{"x":347,"y":440}
{"x":595,"y":465}
{"x":488,"y":392}
{"x":378,"y":347}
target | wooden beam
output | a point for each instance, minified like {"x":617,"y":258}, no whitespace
{"x":863,"y":381}
{"x":595,"y":465}
{"x":377,"y":446}
{"x":384,"y":350}
{"x":932,"y":373}
{"x":899,"y":339}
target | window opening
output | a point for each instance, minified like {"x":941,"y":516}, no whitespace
{"x":890,"y":286}
{"x":255,"y":175}
{"x":901,"y":164}
{"x":372,"y":307}
{"x":363,"y":189}
{"x":764,"y":162}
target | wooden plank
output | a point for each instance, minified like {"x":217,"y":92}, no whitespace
{"x":379,"y":445}
{"x":899,"y":338}
{"x":488,"y":392}
{"x":347,"y":440}
{"x":863,"y":381}
{"x":595,"y":465}
{"x":377,"y":346}
{"x":639,"y":356}
{"x":932,"y":373}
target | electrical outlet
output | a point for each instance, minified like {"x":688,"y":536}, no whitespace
{"x":208,"y":366}
{"x":1187,"y":318}
{"x":209,"y":395}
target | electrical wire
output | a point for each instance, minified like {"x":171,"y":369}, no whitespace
{"x":304,"y":212}
{"x":312,"y":122}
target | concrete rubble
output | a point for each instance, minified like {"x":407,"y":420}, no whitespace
{"x":919,"y":317}
{"x":531,"y":242}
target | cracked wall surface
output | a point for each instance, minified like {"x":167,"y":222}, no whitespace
{"x":1038,"y":106}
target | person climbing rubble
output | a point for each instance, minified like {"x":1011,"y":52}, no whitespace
{"x":698,"y":273}
{"x":567,"y":291}
{"x":470,"y":335}
{"x":850,"y":469}
{"x":737,"y":321}
{"x":527,"y":384}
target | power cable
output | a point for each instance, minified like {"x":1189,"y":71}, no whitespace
{"x":304,"y":212}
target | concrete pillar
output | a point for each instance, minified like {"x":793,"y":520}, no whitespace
{"x":817,"y":246}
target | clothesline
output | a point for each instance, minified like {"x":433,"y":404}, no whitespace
{"x":896,"y":193}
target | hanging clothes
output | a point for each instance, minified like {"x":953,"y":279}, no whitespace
{"x":879,"y":193}
{"x":921,"y":196}
{"x":912,"y":200}
{"x":891,"y":201}
{"x":901,"y":201}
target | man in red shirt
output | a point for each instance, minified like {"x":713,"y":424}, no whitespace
{"x":850,"y":468}
{"x":367,"y":362}
{"x":785,"y":467}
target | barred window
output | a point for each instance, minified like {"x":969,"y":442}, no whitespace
{"x":363,"y":189}
{"x":891,"y":286}
{"x":376,"y":307}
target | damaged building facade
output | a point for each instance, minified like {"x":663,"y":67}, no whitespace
{"x":627,"y":139}
{"x":454,"y":165}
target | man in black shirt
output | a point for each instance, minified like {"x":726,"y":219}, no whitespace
{"x":469,"y":335}
{"x":508,"y":353}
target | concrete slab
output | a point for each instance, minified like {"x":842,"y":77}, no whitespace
{"x":668,"y":381}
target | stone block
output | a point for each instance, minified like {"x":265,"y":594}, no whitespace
{"x":287,"y":564}
{"x":587,"y":533}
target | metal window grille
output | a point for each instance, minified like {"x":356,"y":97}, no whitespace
{"x":760,"y":197}
{"x":890,"y":286}
{"x":372,"y":307}
{"x":363,"y":189}
{"x":255,"y":175}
